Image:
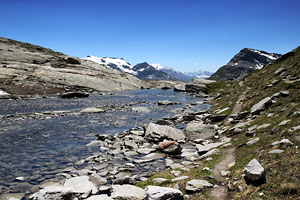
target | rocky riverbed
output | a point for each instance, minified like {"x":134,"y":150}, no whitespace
{"x":107,"y":137}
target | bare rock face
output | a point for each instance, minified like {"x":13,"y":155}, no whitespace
{"x":27,"y":69}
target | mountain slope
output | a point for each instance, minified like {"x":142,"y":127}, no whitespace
{"x":246,"y":61}
{"x":145,"y":71}
{"x":278,"y":84}
{"x":27,"y":69}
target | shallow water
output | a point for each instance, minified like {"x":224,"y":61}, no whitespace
{"x":37,"y":148}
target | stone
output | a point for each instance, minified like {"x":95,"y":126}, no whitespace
{"x":224,"y":173}
{"x":72,"y":60}
{"x":81,"y":184}
{"x":130,"y":144}
{"x":200,"y":131}
{"x":197,"y":185}
{"x":98,"y":180}
{"x":176,"y":166}
{"x":210,"y":153}
{"x":13,"y":196}
{"x":202,"y":149}
{"x":175,"y":173}
{"x":140,"y":109}
{"x":254,"y":171}
{"x":158,"y":133}
{"x":165,"y":103}
{"x":179,"y":88}
{"x":181,"y":178}
{"x":169,"y":147}
{"x":162,"y":193}
{"x":276,"y":151}
{"x":145,"y":150}
{"x":260,"y":106}
{"x":159,"y":180}
{"x":284,"y":122}
{"x":69,"y":95}
{"x":251,"y":142}
{"x":123,"y":178}
{"x":283,"y":141}
{"x":279,"y":71}
{"x":263,"y":126}
{"x":154,"y":156}
{"x":217,"y":118}
{"x":92,"y":110}
{"x":169,"y":162}
{"x":100,"y":197}
{"x":222,"y":110}
{"x":284,"y":93}
{"x":127,"y":192}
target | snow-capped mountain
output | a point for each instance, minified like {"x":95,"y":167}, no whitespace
{"x":114,"y":63}
{"x":246,"y":61}
{"x":145,"y":71}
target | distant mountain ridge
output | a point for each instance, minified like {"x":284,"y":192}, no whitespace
{"x":243,"y":63}
{"x":146,"y":71}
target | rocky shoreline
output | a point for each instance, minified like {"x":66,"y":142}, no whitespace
{"x":132,"y":156}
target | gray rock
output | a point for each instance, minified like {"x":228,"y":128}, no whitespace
{"x":251,"y":142}
{"x":81,"y":184}
{"x":145,"y":150}
{"x":263,"y":126}
{"x":98,"y":180}
{"x":284,"y":93}
{"x":158,"y":133}
{"x":197,"y":185}
{"x":159,"y":180}
{"x":127,"y":192}
{"x":123,"y":178}
{"x":165,"y":103}
{"x":140,"y":109}
{"x":262,"y":105}
{"x":210,"y":153}
{"x":169,"y":162}
{"x":283,"y":141}
{"x":284,"y":122}
{"x":181,"y":178}
{"x":276,"y":151}
{"x":179,"y":88}
{"x":279,"y":71}
{"x":162,"y":193}
{"x":14,"y":196}
{"x":100,"y":197}
{"x":254,"y":171}
{"x":202,"y":149}
{"x":92,"y":110}
{"x":199,"y":131}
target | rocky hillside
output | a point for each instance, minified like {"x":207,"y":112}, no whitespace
{"x":246,"y":61}
{"x":27,"y":69}
{"x":265,"y":130}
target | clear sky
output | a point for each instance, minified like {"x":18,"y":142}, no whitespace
{"x":188,"y":35}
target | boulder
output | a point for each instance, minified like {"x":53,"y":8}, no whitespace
{"x":197,"y":185}
{"x":159,"y":180}
{"x":217,"y":118}
{"x":276,"y":151}
{"x":283,"y":141}
{"x":260,"y":106}
{"x":127,"y":192}
{"x":169,"y":147}
{"x":254,"y":172}
{"x":81,"y":184}
{"x":162,"y":193}
{"x":158,"y":133}
{"x":69,"y":95}
{"x":12,"y":196}
{"x":179,"y":88}
{"x":98,"y":180}
{"x":200,"y":131}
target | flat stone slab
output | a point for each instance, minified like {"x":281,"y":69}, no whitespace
{"x":100,"y":197}
{"x":127,"y":192}
{"x":81,"y":184}
{"x":163,"y":193}
{"x":197,"y":185}
{"x":179,"y":178}
{"x":276,"y":151}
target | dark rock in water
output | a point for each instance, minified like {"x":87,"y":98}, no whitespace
{"x":72,"y":60}
{"x":69,"y":95}
{"x":165,"y":103}
{"x":166,"y":88}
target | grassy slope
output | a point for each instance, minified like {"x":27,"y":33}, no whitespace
{"x":283,"y":170}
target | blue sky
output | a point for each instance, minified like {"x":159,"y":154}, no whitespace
{"x":188,"y":35}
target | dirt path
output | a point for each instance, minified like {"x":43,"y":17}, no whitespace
{"x":221,"y":191}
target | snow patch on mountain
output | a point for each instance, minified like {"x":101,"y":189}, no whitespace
{"x":114,"y":63}
{"x":271,"y":56}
